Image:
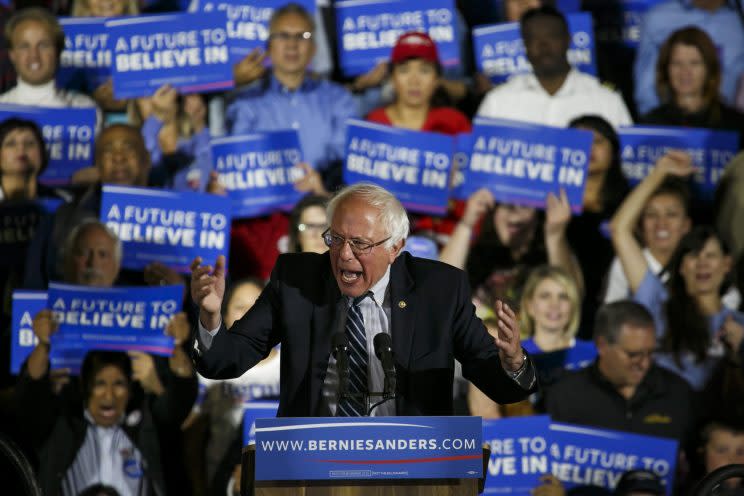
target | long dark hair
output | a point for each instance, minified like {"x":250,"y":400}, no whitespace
{"x":440,"y":97}
{"x":13,"y":124}
{"x":687,"y":327}
{"x":307,"y":201}
{"x":615,"y":186}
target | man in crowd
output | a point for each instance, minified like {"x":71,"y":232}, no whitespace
{"x":358,"y":289}
{"x":36,"y":42}
{"x":288,"y":97}
{"x":555,"y":93}
{"x":120,"y":158}
{"x":718,"y":18}
{"x":624,"y":390}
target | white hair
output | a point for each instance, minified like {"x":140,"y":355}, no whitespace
{"x":83,"y":227}
{"x":392,"y":214}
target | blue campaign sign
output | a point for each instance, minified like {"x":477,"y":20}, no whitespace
{"x":632,"y":12}
{"x":26,"y":304}
{"x":521,"y":163}
{"x":120,"y":318}
{"x":69,"y":134}
{"x":463,"y":149}
{"x":413,"y":165}
{"x":368,"y":448}
{"x":188,"y":51}
{"x":519,"y":454}
{"x":253,"y":410}
{"x":248,"y":23}
{"x":551,"y":365}
{"x":599,"y":457}
{"x":168,"y":227}
{"x":642,"y":146}
{"x":368,"y":29}
{"x":85,"y":62}
{"x":500,"y":52}
{"x":258,"y":170}
{"x":18,"y":223}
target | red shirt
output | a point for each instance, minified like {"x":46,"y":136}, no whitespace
{"x":443,"y":120}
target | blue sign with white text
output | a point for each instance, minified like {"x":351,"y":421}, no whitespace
{"x":599,"y":457}
{"x":500,"y":52}
{"x":368,"y":29}
{"x":69,"y":134}
{"x":521,"y":163}
{"x":519,"y":454}
{"x":551,"y":365}
{"x":253,"y":410}
{"x":259,"y":171}
{"x":248,"y":23}
{"x":26,"y":304}
{"x":368,"y":448}
{"x":168,"y":227}
{"x":85,"y":63}
{"x":188,"y":51}
{"x":413,"y":165}
{"x":119,"y":318}
{"x":642,"y":146}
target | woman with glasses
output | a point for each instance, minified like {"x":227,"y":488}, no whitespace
{"x":307,"y":223}
{"x":693,"y":326}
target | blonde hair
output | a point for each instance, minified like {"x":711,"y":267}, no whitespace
{"x":559,"y":275}
{"x":80,"y":8}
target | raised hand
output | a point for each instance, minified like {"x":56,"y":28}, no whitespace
{"x":507,"y":340}
{"x":178,"y":328}
{"x":208,"y":290}
{"x":165,"y":103}
{"x":557,"y":214}
{"x":143,"y":371}
{"x":311,"y":182}
{"x":250,"y":68}
{"x":44,"y":326}
{"x":676,"y":163}
{"x":478,"y":204}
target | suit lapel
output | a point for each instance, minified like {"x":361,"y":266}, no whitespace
{"x":403,"y":308}
{"x":322,"y":328}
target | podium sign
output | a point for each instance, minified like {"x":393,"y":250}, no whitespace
{"x":368,"y":448}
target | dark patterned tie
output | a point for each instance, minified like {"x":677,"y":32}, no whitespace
{"x":358,"y":358}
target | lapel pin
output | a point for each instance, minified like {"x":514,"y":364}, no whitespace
{"x":401,"y":304}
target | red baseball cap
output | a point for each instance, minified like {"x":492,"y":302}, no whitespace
{"x":414,"y":45}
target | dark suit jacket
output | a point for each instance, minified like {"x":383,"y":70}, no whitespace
{"x":432,"y":322}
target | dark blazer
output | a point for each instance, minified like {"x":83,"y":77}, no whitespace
{"x":432,"y":322}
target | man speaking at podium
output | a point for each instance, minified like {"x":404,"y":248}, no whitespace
{"x":327,"y":311}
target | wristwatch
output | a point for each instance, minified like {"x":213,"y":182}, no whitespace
{"x":521,"y":368}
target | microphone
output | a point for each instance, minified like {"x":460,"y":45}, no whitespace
{"x":340,"y":351}
{"x":384,"y":352}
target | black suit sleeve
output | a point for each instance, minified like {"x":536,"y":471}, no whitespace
{"x":478,"y":354}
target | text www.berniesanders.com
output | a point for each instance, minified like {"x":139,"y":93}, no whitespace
{"x":368,"y":444}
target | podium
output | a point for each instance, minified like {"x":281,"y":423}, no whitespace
{"x":399,"y":456}
{"x":399,"y":487}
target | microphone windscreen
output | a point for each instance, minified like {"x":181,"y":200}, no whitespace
{"x":382,"y":341}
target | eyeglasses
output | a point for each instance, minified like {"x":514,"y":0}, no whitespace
{"x":358,"y":247}
{"x":285,"y":36}
{"x":637,"y":356}
{"x":311,"y":227}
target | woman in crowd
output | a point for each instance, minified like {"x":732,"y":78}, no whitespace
{"x":23,"y":158}
{"x":307,"y":222}
{"x":175,"y":131}
{"x":688,"y":77}
{"x":605,"y":188}
{"x":692,"y":321}
{"x":512,"y":239}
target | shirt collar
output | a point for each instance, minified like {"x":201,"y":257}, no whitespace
{"x":308,"y":84}
{"x":379,"y":289}
{"x":35,"y":89}
{"x":567,"y":86}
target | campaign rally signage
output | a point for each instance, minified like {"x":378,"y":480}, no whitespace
{"x":620,"y":21}
{"x":500,"y":52}
{"x":551,"y":365}
{"x":521,"y":163}
{"x":116,"y":319}
{"x":368,"y":448}
{"x":188,"y":51}
{"x":368,"y":29}
{"x":259,"y":170}
{"x":463,"y":148}
{"x":168,"y":227}
{"x":69,"y":134}
{"x":519,"y":454}
{"x":642,"y":146}
{"x":18,"y":223}
{"x":248,"y":23}
{"x":253,"y":410}
{"x":413,"y":165}
{"x":26,"y":304}
{"x":598,"y":457}
{"x":86,"y":59}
